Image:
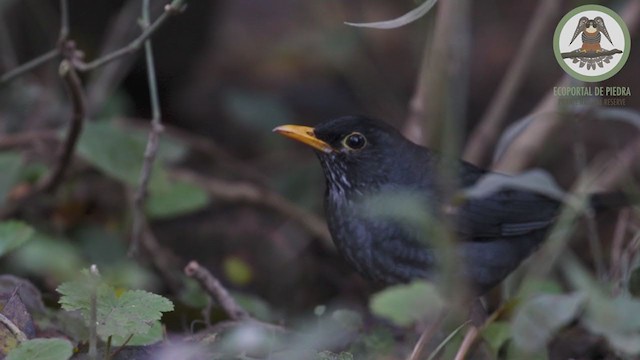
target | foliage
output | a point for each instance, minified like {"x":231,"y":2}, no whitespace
{"x":405,"y":304}
{"x":131,"y":312}
{"x":13,"y":234}
{"x":42,"y":349}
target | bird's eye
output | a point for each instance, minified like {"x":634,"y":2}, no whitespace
{"x":354,"y":141}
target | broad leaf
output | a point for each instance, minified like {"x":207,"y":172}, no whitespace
{"x":406,"y":304}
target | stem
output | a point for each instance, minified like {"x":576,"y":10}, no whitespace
{"x":152,"y":142}
{"x":30,"y":65}
{"x":172,"y":9}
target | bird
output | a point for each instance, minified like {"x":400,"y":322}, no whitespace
{"x":363,"y":157}
{"x":591,"y":30}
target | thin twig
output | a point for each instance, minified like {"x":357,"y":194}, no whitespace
{"x":76,"y":94}
{"x":93,"y":315}
{"x":248,"y":193}
{"x":580,"y":160}
{"x":124,"y":27}
{"x":175,"y":7}
{"x":113,"y":356}
{"x":151,"y":149}
{"x":469,"y":339}
{"x":15,"y":330}
{"x":64,"y":21}
{"x":484,"y":136}
{"x":27,"y":139}
{"x":214,"y":288}
{"x":615,"y":272}
{"x":427,"y":335}
{"x":30,"y":65}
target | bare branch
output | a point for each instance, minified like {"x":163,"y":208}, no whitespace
{"x":76,"y":94}
{"x":481,"y":141}
{"x":214,"y":288}
{"x":174,"y":8}
{"x":251,"y":194}
{"x":151,"y":149}
{"x":30,"y":65}
{"x":64,"y":21}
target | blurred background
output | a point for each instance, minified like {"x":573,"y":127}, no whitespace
{"x":245,"y":203}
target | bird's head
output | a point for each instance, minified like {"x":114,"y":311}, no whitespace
{"x":357,"y":153}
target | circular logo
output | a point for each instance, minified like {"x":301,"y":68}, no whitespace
{"x":591,"y":43}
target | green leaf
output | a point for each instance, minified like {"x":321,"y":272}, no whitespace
{"x":328,"y":355}
{"x":42,"y":349}
{"x":134,"y":312}
{"x":539,"y":318}
{"x":119,"y":153}
{"x":405,"y":19}
{"x":44,"y":255}
{"x":616,"y":319}
{"x":13,"y":234}
{"x":237,"y":270}
{"x":152,"y":336}
{"x":10,"y":164}
{"x":175,"y":199}
{"x":405,"y":304}
{"x":496,"y":335}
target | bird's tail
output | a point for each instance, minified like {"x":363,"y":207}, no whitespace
{"x":612,"y":200}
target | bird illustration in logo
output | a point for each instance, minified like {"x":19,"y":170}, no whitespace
{"x":591,"y":54}
{"x":591,"y":30}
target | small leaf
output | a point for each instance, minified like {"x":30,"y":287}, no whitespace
{"x":405,"y":19}
{"x":539,"y":318}
{"x":42,"y":349}
{"x":405,"y":304}
{"x":13,"y":234}
{"x":237,"y":270}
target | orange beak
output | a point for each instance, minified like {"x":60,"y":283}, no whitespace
{"x":305,"y":135}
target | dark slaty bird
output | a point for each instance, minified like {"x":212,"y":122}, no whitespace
{"x":363,"y":157}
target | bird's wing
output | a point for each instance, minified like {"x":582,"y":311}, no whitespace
{"x":505,"y":213}
{"x":582,"y":24}
{"x":603,"y":28}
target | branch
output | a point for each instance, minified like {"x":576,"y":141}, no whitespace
{"x":214,"y":288}
{"x":151,"y":149}
{"x":30,"y":65}
{"x":13,"y":328}
{"x":589,"y":55}
{"x":27,"y":139}
{"x":484,"y":137}
{"x":175,"y":7}
{"x":76,"y":94}
{"x":251,"y":194}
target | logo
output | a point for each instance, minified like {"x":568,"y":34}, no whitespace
{"x":591,"y":43}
